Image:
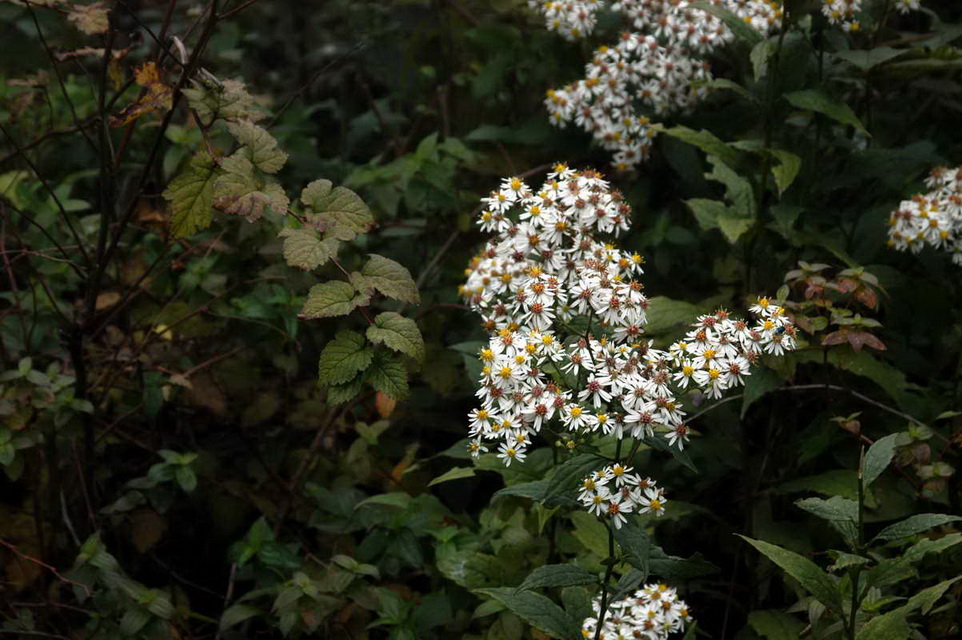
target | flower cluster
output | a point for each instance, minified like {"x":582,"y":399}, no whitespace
{"x":844,"y":12}
{"x":566,"y":318}
{"x":933,"y":218}
{"x":657,"y":69}
{"x":651,"y":613}
{"x":617,"y":490}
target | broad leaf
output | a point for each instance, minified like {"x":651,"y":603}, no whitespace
{"x":557,"y":575}
{"x":775,"y":625}
{"x":814,"y":100}
{"x":329,"y":299}
{"x":259,"y":146}
{"x":305,"y":250}
{"x":536,"y":610}
{"x":915,"y":524}
{"x":841,"y":513}
{"x":191,"y":196}
{"x":398,"y":333}
{"x":878,"y":457}
{"x":343,"y":358}
{"x":388,"y":375}
{"x":636,"y":544}
{"x":389,"y":278}
{"x":457,"y":473}
{"x":239,"y":192}
{"x":340,"y":212}
{"x":812,"y":579}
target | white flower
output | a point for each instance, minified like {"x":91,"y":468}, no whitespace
{"x":653,"y":612}
{"x":932,"y":219}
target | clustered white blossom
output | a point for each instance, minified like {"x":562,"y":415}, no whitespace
{"x":657,"y":69}
{"x":844,"y":12}
{"x":651,"y":613}
{"x":616,"y":490}
{"x":933,"y":218}
{"x":543,"y":270}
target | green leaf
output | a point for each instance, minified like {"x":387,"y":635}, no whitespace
{"x":341,"y":393}
{"x":915,"y":524}
{"x":925,"y":546}
{"x":343,"y":358}
{"x":866,"y":59}
{"x":812,"y":579}
{"x":568,"y":476}
{"x":707,"y":212}
{"x":259,"y":146}
{"x":557,"y":575}
{"x":775,"y":625}
{"x":737,"y":189}
{"x":536,"y":610}
{"x":840,"y":482}
{"x":707,"y":142}
{"x":398,"y":333}
{"x":389,"y":278}
{"x":786,"y":170}
{"x":878,"y":457}
{"x":759,"y":56}
{"x":330,"y":299}
{"x":814,"y":100}
{"x":303,"y":249}
{"x":456,"y":473}
{"x":758,"y":384}
{"x":840,"y":512}
{"x":845,"y":560}
{"x":926,"y":598}
{"x":229,"y":100}
{"x":733,"y":226}
{"x":888,"y":626}
{"x":666,"y":315}
{"x":340,"y":212}
{"x":636,"y":545}
{"x":388,"y":375}
{"x":191,"y":196}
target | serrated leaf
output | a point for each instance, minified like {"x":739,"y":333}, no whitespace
{"x":341,"y":393}
{"x":845,"y":560}
{"x":733,"y":226}
{"x":926,"y":598}
{"x":878,"y":457}
{"x":258,"y":146}
{"x":557,"y":575}
{"x":329,"y":299}
{"x":888,"y":626}
{"x":390,"y":278}
{"x":191,"y":196}
{"x":305,"y":250}
{"x":569,"y":475}
{"x":814,"y":100}
{"x":915,"y":524}
{"x":457,"y":473}
{"x":398,"y":333}
{"x":786,"y":170}
{"x":536,"y":610}
{"x":340,"y":212}
{"x":228,"y":100}
{"x":813,"y":579}
{"x":343,"y":358}
{"x":238,"y":192}
{"x":840,"y":512}
{"x":388,"y":375}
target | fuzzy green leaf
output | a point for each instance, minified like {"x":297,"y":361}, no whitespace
{"x":915,"y":524}
{"x":191,"y":196}
{"x":340,"y":212}
{"x":238,"y":192}
{"x":259,"y":146}
{"x":305,"y":250}
{"x":343,"y":358}
{"x":388,"y":375}
{"x":841,"y":513}
{"x":398,"y":333}
{"x":329,"y":299}
{"x":636,"y":544}
{"x":389,"y":278}
{"x":229,"y":100}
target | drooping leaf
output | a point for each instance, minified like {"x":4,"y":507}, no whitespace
{"x":457,"y":473}
{"x":329,"y":299}
{"x":341,"y":393}
{"x":191,"y":196}
{"x":786,"y":170}
{"x":707,"y":142}
{"x":815,"y":100}
{"x":841,"y":513}
{"x":92,"y":19}
{"x":398,"y":333}
{"x":557,"y":575}
{"x":813,"y":579}
{"x":536,"y":610}
{"x":389,"y":278}
{"x":258,"y":146}
{"x":305,"y":250}
{"x":568,"y":476}
{"x":771,"y":624}
{"x":636,"y":544}
{"x":343,"y":357}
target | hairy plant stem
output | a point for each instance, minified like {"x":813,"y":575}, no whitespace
{"x":610,"y":562}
